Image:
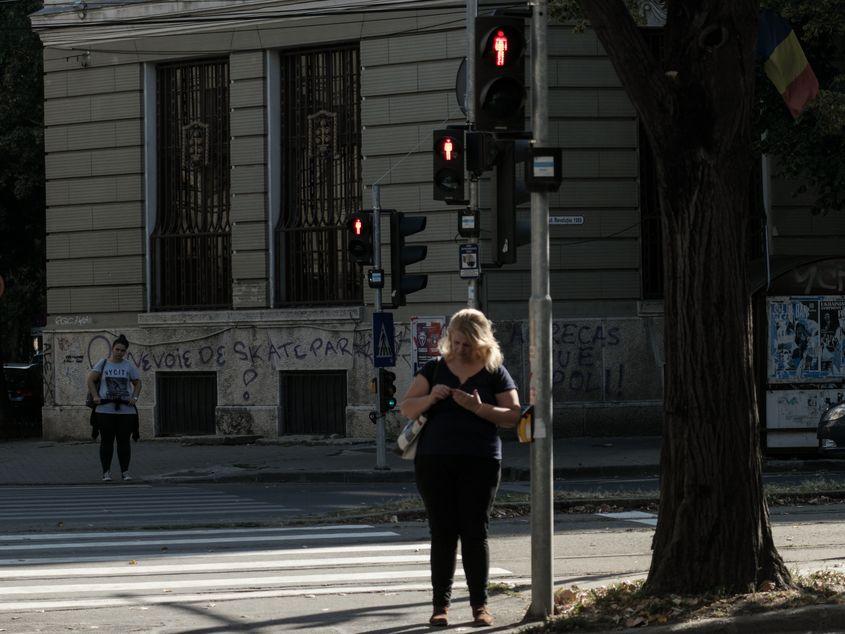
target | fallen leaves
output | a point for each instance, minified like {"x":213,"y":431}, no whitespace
{"x":625,"y":605}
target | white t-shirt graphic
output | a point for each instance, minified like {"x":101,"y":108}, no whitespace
{"x":116,"y":383}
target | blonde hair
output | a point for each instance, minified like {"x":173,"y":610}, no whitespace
{"x":478,"y":330}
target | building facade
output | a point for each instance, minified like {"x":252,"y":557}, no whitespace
{"x":203,"y":158}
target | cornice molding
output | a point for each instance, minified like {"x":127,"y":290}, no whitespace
{"x":61,"y":24}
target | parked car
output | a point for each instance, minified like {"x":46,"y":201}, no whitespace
{"x":831,"y":431}
{"x":25,"y":389}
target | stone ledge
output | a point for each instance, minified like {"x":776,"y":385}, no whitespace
{"x":279,"y":316}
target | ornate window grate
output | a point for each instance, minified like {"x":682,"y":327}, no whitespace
{"x":321,"y":176}
{"x":191,"y":243}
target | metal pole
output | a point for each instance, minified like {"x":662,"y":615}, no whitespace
{"x":540,"y":338}
{"x":766,"y":174}
{"x":469,"y":102}
{"x":381,"y":441}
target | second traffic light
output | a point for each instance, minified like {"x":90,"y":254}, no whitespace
{"x":387,"y":390}
{"x":499,"y":74}
{"x":402,"y":226}
{"x":360,"y":245}
{"x":448,"y":172}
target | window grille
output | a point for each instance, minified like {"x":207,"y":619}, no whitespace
{"x":313,"y":402}
{"x":186,"y":403}
{"x":651,"y":231}
{"x":191,"y":242}
{"x":321,"y":176}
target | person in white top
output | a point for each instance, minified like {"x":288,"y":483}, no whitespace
{"x":115,"y":414}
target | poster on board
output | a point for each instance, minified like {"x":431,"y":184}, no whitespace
{"x":796,"y":409}
{"x":806,"y":339}
{"x":425,"y":337}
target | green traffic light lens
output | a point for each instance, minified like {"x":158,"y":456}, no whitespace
{"x":391,"y":402}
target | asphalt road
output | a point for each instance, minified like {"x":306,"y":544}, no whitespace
{"x":343,"y":578}
{"x":119,"y":504}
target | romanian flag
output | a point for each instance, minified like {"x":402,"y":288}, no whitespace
{"x":784,"y":61}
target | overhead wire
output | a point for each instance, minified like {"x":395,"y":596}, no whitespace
{"x":398,"y":6}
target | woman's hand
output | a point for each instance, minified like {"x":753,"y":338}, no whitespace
{"x":439,"y":392}
{"x":472,"y":402}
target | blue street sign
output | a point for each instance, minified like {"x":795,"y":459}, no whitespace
{"x":384,"y":340}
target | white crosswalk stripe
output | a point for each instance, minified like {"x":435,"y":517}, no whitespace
{"x":56,"y":571}
{"x":640,"y":517}
{"x":127,"y":502}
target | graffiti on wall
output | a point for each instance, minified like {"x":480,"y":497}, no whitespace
{"x":250,"y":356}
{"x":587,"y":359}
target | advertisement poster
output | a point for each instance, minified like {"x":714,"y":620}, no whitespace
{"x":795,"y":409}
{"x":425,"y":336}
{"x":806,"y":339}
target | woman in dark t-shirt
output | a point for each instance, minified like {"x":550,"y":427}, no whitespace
{"x":465,"y":395}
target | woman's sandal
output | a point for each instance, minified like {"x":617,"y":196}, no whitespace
{"x":439,"y":618}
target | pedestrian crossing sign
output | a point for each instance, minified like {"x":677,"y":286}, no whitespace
{"x":384,"y":340}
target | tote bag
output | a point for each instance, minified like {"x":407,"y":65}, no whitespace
{"x":406,"y":443}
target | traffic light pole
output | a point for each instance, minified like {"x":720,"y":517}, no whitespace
{"x":381,"y":441}
{"x":540,"y":338}
{"x":469,"y":102}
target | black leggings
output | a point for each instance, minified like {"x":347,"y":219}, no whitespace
{"x":115,"y":426}
{"x":458,"y":493}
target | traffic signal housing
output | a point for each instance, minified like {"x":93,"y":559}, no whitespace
{"x":402,"y":226}
{"x":448,"y":168}
{"x":511,"y":191}
{"x":387,"y":390}
{"x":499,"y":74}
{"x":360,"y":244}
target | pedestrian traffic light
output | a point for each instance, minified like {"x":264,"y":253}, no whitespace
{"x":387,"y":390}
{"x":510,"y":193}
{"x":448,"y":172}
{"x":360,"y":244}
{"x":402,"y":226}
{"x":499,"y":73}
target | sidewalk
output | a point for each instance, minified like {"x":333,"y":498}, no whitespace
{"x":310,"y":459}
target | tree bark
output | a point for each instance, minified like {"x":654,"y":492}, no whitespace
{"x":713,"y":531}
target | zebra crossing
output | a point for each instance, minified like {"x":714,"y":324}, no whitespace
{"x":128,"y":502}
{"x":74,"y":570}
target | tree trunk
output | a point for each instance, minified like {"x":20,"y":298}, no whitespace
{"x":713,"y":530}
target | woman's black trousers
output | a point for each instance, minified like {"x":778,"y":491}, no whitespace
{"x":458,"y":493}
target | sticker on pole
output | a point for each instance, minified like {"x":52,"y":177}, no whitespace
{"x":384,"y":340}
{"x":468,"y":260}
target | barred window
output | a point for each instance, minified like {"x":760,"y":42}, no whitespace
{"x":191,"y":242}
{"x":651,"y":232}
{"x":321,"y":176}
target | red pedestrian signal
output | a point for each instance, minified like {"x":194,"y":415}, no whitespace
{"x":448,"y":172}
{"x":360,"y":243}
{"x":499,"y":74}
{"x":500,"y":46}
{"x":448,"y":149}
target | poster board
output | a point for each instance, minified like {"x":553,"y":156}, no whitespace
{"x":796,"y":409}
{"x":806,"y":339}
{"x":425,"y":337}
